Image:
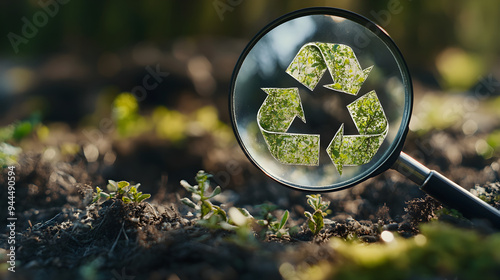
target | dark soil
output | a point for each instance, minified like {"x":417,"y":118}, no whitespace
{"x":62,"y":236}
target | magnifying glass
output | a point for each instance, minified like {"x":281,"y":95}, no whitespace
{"x":321,"y":100}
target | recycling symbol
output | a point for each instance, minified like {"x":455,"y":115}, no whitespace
{"x":282,"y":105}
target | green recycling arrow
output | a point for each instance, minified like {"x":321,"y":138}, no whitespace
{"x":313,"y":59}
{"x":372,"y":125}
{"x":275,"y":116}
{"x":282,"y":105}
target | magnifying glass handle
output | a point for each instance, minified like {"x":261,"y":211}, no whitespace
{"x":446,"y":191}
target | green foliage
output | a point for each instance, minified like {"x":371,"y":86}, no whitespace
{"x":314,"y":59}
{"x":13,"y":133}
{"x":315,"y":220}
{"x":371,"y":122}
{"x":8,"y":154}
{"x":240,"y":221}
{"x":275,"y":116}
{"x":126,"y":116}
{"x":211,"y":216}
{"x":167,"y":123}
{"x":200,"y":200}
{"x":440,"y":252}
{"x":449,"y":212}
{"x":19,"y":130}
{"x":120,"y":190}
{"x":270,"y":222}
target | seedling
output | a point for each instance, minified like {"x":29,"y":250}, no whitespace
{"x":270,"y":222}
{"x":8,"y":154}
{"x":240,"y":221}
{"x":121,"y":190}
{"x":201,"y":199}
{"x":11,"y":135}
{"x":315,"y":221}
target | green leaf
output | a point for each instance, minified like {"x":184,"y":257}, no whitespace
{"x":325,"y":205}
{"x":188,"y":202}
{"x":206,"y":207}
{"x":215,"y":192}
{"x":311,"y":225}
{"x":133,"y":190}
{"x":187,"y":186}
{"x":126,"y":199}
{"x":308,"y":215}
{"x":124,"y":186}
{"x":274,"y":226}
{"x":262,"y":223}
{"x":202,"y":176}
{"x":196,"y":196}
{"x":318,"y":220}
{"x":104,"y":195}
{"x":220,"y":212}
{"x":22,"y":130}
{"x":143,"y":197}
{"x":312,"y":200}
{"x":245,"y":213}
{"x":112,"y":186}
{"x":284,"y":219}
{"x":228,"y":226}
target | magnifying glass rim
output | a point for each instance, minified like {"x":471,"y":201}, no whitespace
{"x":389,"y":156}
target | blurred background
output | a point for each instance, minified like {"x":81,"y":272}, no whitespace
{"x":138,"y":90}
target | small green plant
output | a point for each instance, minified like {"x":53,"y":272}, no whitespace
{"x":211,"y":216}
{"x":270,"y":222}
{"x":240,"y":221}
{"x":120,"y":190}
{"x":12,"y":134}
{"x":201,"y":198}
{"x":129,"y":123}
{"x":315,"y":220}
{"x":8,"y":154}
{"x":449,"y":212}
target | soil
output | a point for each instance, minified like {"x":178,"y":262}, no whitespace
{"x":61,"y":235}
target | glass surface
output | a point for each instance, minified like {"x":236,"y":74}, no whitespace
{"x":319,"y":101}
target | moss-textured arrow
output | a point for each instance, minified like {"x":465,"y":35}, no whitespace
{"x":371,"y":122}
{"x":282,"y":105}
{"x":275,"y":116}
{"x":313,"y":59}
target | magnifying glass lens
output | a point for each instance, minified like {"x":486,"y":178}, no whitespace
{"x":321,"y":100}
